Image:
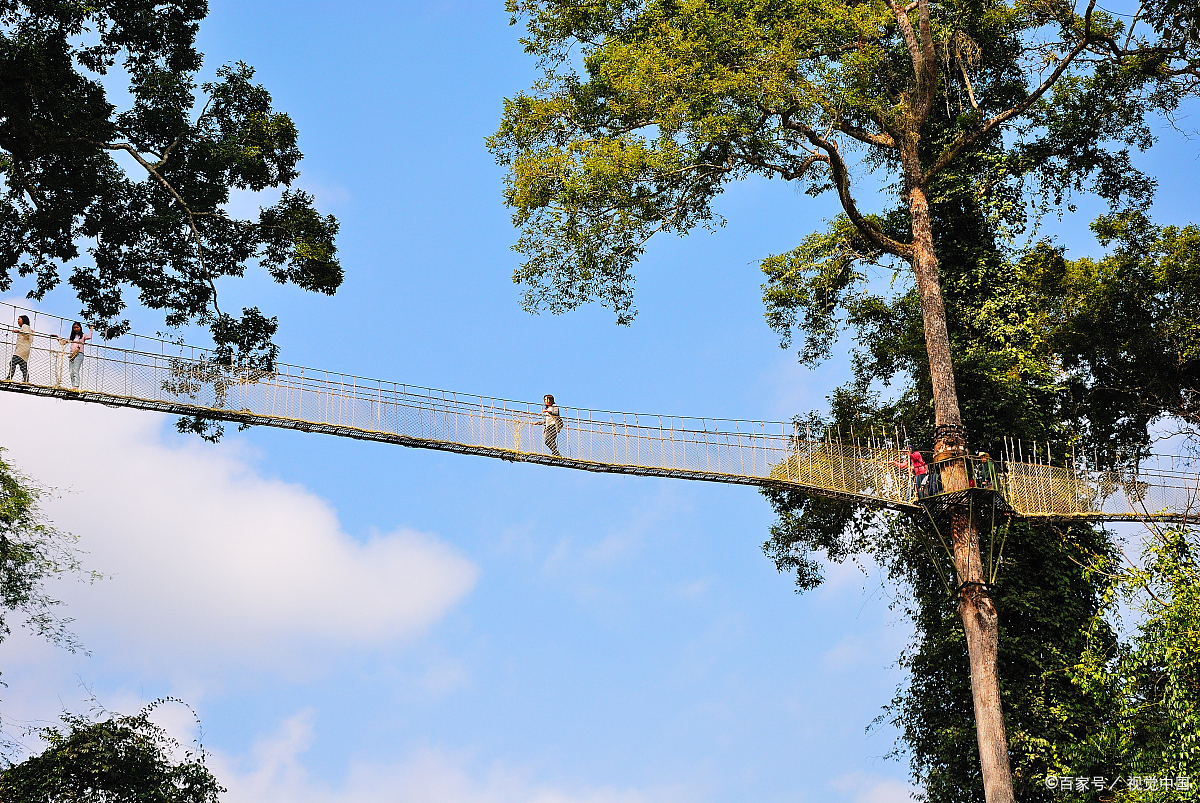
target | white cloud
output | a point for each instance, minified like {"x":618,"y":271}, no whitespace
{"x":208,"y":558}
{"x":695,"y":589}
{"x":444,"y":677}
{"x":623,"y":540}
{"x":275,"y":773}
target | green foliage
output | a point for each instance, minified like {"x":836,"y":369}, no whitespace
{"x":646,"y":109}
{"x":810,"y":527}
{"x":32,"y":551}
{"x":1071,"y":352}
{"x":808,"y":286}
{"x":1151,"y":686}
{"x":1010,"y":384}
{"x":1126,"y":327}
{"x":117,"y":759}
{"x":995,"y":111}
{"x":143,"y":190}
{"x":1049,"y":604}
{"x":1179,"y":19}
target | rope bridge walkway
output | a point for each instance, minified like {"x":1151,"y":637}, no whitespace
{"x":154,"y":374}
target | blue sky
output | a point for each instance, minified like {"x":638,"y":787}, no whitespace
{"x":354,"y":621}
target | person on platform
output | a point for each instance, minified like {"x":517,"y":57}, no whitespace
{"x":75,"y":343}
{"x":915,"y":463}
{"x":987,"y":471}
{"x":20,"y":357}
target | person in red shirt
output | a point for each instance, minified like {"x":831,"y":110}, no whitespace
{"x":920,"y":471}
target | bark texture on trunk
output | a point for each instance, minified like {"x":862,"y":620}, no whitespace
{"x":981,"y":625}
{"x":978,"y":614}
{"x":933,"y":311}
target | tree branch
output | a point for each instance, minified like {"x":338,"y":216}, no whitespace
{"x":964,"y":141}
{"x":30,"y":188}
{"x":928,"y":54}
{"x":196,"y":236}
{"x":841,"y":180}
{"x":785,"y":173}
{"x":879,"y":140}
{"x":166,"y":154}
{"x":906,"y":30}
{"x":923,"y":54}
{"x":966,"y":79}
{"x":1133,"y":24}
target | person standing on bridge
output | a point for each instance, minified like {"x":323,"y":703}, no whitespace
{"x":75,"y":342}
{"x":21,"y":352}
{"x":553,"y":423}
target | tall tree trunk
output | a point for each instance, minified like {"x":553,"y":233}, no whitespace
{"x":981,"y":625}
{"x":933,"y":310}
{"x":978,"y":614}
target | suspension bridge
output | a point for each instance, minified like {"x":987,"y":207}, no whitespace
{"x":155,"y":374}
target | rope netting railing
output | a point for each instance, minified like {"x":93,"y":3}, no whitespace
{"x":1156,"y":487}
{"x":154,"y":373}
{"x":1159,"y":487}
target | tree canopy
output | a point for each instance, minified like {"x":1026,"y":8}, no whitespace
{"x":123,"y":190}
{"x":1126,"y":327}
{"x":1049,"y":597}
{"x":112,"y":758}
{"x":646,"y":110}
{"x":975,"y":120}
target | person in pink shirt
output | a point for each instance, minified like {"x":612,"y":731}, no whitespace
{"x":75,"y":343}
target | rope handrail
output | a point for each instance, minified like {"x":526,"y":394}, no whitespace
{"x":10,"y":311}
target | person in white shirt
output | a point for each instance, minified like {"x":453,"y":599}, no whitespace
{"x":553,"y":423}
{"x":21,"y":352}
